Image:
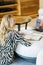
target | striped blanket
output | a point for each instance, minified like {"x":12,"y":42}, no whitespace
{"x":7,"y":51}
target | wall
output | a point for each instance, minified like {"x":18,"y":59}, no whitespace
{"x":41,"y":3}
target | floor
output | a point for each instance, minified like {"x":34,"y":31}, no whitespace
{"x":21,"y":61}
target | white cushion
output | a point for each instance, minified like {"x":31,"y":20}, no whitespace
{"x":39,"y":60}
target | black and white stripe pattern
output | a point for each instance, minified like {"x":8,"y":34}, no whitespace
{"x":7,"y":52}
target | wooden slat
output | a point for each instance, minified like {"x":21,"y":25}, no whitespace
{"x":9,"y":6}
{"x":11,"y":12}
{"x":26,"y":0}
{"x":29,"y":10}
{"x":29,"y":7}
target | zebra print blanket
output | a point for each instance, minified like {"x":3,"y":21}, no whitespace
{"x":7,"y":51}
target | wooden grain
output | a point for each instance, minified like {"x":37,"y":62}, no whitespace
{"x":22,"y":19}
{"x":9,"y":6}
{"x":22,"y":7}
{"x":6,"y":13}
{"x":29,"y":7}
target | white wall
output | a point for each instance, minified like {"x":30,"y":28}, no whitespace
{"x":41,"y":3}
